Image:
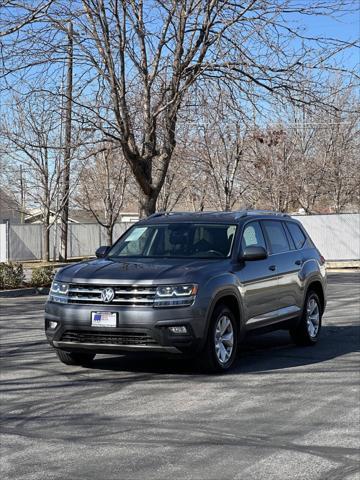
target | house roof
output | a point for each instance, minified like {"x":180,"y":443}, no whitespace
{"x":9,"y":207}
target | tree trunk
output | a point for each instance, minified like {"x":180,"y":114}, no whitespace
{"x":227,"y":202}
{"x":147,"y":204}
{"x":46,"y":241}
{"x":109,"y":234}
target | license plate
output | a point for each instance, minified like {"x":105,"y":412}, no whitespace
{"x":103,"y":319}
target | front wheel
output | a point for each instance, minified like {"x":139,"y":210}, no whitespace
{"x":307,"y":331}
{"x":74,"y":358}
{"x":221,"y":346}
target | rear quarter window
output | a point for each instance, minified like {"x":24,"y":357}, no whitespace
{"x":276,"y":234}
{"x":296,"y":234}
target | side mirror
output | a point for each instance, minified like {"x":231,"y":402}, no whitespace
{"x":254,"y":253}
{"x":101,"y":252}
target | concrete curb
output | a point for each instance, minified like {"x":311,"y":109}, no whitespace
{"x":344,"y":264}
{"x":24,"y":292}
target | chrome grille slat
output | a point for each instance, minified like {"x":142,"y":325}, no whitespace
{"x":134,"y":300}
{"x":136,"y":291}
{"x":124,"y":294}
{"x":85,"y":299}
{"x":84,"y":290}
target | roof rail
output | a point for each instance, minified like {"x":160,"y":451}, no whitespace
{"x":240,"y":213}
{"x":156,"y":214}
{"x":160,"y":214}
{"x":266,"y":212}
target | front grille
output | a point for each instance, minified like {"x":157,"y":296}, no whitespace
{"x":114,"y":338}
{"x":129,"y":295}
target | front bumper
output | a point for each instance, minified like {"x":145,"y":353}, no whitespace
{"x":138,"y":329}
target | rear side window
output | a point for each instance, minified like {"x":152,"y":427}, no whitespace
{"x":253,"y":236}
{"x":296,"y":234}
{"x":277,"y":236}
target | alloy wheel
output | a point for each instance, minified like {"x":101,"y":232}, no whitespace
{"x":224,"y":339}
{"x":313,"y":317}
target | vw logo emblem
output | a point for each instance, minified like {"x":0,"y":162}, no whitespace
{"x":107,"y":295}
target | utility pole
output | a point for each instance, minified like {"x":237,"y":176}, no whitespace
{"x":22,"y":195}
{"x":67,"y":148}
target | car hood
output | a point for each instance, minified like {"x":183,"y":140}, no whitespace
{"x":144,"y":271}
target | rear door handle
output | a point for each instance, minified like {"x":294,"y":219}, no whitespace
{"x":272,"y":268}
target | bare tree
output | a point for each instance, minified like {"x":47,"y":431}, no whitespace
{"x":271,"y":175}
{"x":309,"y":168}
{"x":340,"y":143}
{"x":200,"y":196}
{"x":149,"y":58}
{"x":183,"y":171}
{"x":221,"y":144}
{"x":309,"y":159}
{"x":103,"y":187}
{"x":324,"y":171}
{"x":31,"y":141}
{"x":149,"y":55}
{"x":177,"y":183}
{"x":15,"y":14}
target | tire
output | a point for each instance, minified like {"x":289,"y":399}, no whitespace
{"x":217,"y":358}
{"x":307,"y":331}
{"x":74,"y":358}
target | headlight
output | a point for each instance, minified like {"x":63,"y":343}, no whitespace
{"x":59,"y":287}
{"x":175,"y":295}
{"x":58,"y":292}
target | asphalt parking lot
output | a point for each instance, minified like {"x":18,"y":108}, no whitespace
{"x":284,"y":412}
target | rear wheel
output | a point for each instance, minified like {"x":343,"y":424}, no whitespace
{"x":221,"y":346}
{"x":74,"y":358}
{"x":307,"y":330}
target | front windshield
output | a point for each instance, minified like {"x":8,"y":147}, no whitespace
{"x":181,"y":240}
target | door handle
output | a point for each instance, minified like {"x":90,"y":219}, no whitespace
{"x":298,"y":262}
{"x":272,"y":268}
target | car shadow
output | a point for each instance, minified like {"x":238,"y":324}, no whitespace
{"x":277,"y":351}
{"x":268,"y":352}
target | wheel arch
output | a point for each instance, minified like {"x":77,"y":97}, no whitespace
{"x":231,"y":298}
{"x":317,"y":287}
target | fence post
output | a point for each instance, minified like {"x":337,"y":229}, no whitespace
{"x":4,"y":241}
{"x":7,"y":243}
{"x":41,"y":229}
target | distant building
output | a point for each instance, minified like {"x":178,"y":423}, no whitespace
{"x":76,"y":215}
{"x":35,"y":215}
{"x":128,"y":217}
{"x":83,"y":216}
{"x":9,"y":208}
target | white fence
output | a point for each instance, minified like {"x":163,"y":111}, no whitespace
{"x":336,"y":236}
{"x":3,"y":243}
{"x":26,"y":241}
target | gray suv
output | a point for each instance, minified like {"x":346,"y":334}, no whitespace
{"x":191,"y":283}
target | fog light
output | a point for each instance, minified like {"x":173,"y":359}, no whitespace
{"x":181,"y":329}
{"x":52,"y":324}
